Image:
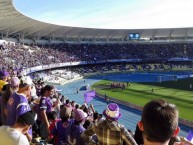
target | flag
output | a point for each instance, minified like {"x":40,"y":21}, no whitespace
{"x":190,"y":136}
{"x":88,"y":96}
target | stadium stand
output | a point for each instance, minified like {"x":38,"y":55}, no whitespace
{"x":30,"y":52}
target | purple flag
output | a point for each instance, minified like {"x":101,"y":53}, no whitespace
{"x":190,"y":136}
{"x":88,"y":96}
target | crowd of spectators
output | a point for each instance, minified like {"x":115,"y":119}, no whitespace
{"x":64,"y":122}
{"x":99,"y":52}
{"x":21,"y":56}
{"x":61,"y":121}
{"x":125,"y":67}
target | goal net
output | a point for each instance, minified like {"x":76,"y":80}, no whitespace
{"x":163,"y":78}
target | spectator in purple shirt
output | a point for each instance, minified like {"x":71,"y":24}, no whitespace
{"x":45,"y":107}
{"x":18,"y":103}
{"x":10,"y":89}
{"x":75,"y":129}
{"x":60,"y":128}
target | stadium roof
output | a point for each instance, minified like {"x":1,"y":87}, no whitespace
{"x":15,"y":24}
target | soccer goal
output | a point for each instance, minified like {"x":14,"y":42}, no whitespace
{"x":163,"y":78}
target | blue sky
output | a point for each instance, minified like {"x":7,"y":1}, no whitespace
{"x":110,"y":14}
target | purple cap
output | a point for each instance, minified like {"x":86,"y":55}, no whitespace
{"x":4,"y":73}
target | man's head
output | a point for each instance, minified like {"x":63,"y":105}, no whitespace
{"x":52,"y":115}
{"x":159,"y":121}
{"x":15,"y":83}
{"x":48,"y":91}
{"x":25,"y":121}
{"x":65,"y":113}
{"x":25,"y":86}
{"x":80,"y":115}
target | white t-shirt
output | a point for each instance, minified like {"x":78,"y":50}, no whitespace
{"x":10,"y":136}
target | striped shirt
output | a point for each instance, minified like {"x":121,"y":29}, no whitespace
{"x":109,"y":133}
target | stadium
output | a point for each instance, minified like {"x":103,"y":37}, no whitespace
{"x":129,"y":67}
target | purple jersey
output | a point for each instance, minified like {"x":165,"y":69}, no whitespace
{"x":16,"y":106}
{"x":46,"y":104}
{"x":73,"y":134}
{"x":60,"y":131}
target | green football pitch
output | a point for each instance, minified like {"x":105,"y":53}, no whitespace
{"x":179,"y":93}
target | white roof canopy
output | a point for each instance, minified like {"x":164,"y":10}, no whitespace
{"x":13,"y":23}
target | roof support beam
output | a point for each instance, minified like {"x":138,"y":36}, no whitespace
{"x":153,"y":34}
{"x":171,"y":31}
{"x":36,"y":30}
{"x":186,"y":33}
{"x":7,"y":33}
{"x":67,"y":31}
{"x":51,"y":31}
{"x":7,"y":18}
{"x":11,"y":26}
{"x":20,"y":30}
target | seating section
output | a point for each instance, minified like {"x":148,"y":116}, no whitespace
{"x":19,"y":56}
{"x":115,"y":58}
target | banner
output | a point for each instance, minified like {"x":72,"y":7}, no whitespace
{"x":190,"y":136}
{"x":88,"y":96}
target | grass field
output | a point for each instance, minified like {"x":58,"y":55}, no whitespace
{"x":178,"y":93}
